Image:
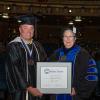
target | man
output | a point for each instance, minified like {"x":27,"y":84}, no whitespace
{"x":22,"y":54}
{"x":84,"y":72}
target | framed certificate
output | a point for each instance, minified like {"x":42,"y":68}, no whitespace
{"x":54,"y":77}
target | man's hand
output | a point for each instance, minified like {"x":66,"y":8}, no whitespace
{"x":34,"y":91}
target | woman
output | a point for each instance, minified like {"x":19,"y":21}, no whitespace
{"x":84,"y":72}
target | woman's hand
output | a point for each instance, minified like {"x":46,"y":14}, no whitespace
{"x":73,"y":92}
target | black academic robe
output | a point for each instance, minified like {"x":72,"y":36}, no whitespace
{"x":84,"y":71}
{"x":18,"y":69}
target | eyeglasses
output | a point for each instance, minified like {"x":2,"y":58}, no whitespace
{"x":70,"y":37}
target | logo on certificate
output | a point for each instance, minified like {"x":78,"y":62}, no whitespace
{"x":46,"y":71}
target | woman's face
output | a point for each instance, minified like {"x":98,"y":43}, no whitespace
{"x":26,"y":31}
{"x":68,"y":38}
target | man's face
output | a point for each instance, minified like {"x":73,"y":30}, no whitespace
{"x":68,"y":39}
{"x":26,"y":31}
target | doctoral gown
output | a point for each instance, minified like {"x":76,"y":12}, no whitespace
{"x":84,"y":71}
{"x":20,"y":73}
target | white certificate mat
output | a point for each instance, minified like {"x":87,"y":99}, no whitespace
{"x":54,"y":77}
